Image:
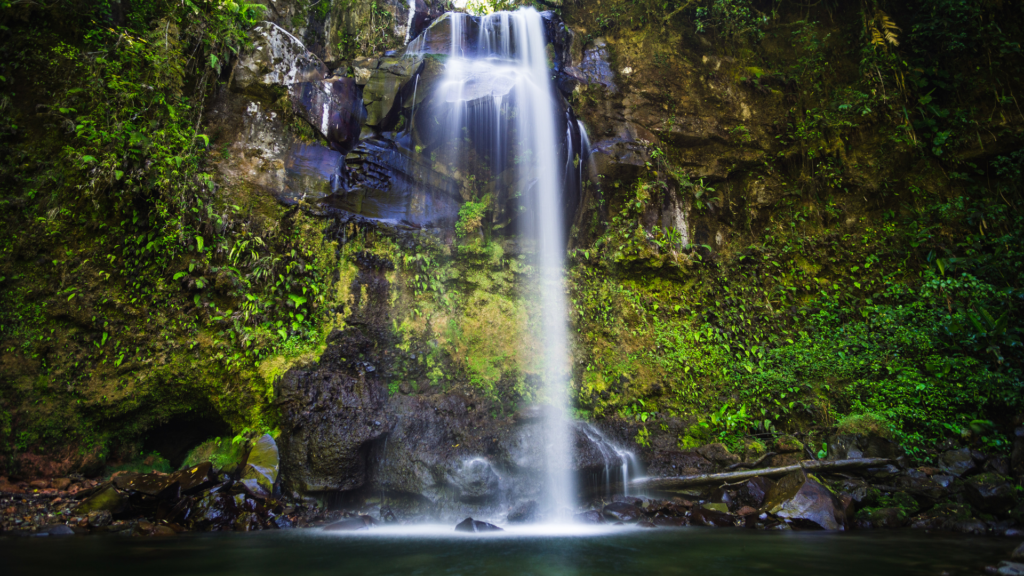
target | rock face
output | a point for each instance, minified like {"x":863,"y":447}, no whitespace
{"x":803,"y":501}
{"x":331,"y":416}
{"x":276,"y":59}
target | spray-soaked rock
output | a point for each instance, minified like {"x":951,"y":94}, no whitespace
{"x":470,"y":525}
{"x":622,"y":512}
{"x":803,"y":501}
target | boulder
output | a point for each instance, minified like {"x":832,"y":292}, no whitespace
{"x":1007,"y":568}
{"x":991,"y":493}
{"x":476,"y":481}
{"x":276,"y":59}
{"x":332,"y":412}
{"x":718,"y":453}
{"x":710,"y":517}
{"x":786,"y":444}
{"x":846,"y":446}
{"x":942,"y":517}
{"x":389,"y":87}
{"x":957,"y":462}
{"x":60,"y":530}
{"x":161,"y":486}
{"x":881,"y":518}
{"x":525,"y":512}
{"x":754,"y":491}
{"x":804,"y":502}
{"x":195,"y":478}
{"x":213,"y":511}
{"x":107,"y":498}
{"x":470,"y":525}
{"x":99,"y":518}
{"x":622,"y":512}
{"x":588,"y":517}
{"x":333,"y":108}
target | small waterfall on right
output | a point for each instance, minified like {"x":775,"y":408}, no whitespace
{"x":620,"y":466}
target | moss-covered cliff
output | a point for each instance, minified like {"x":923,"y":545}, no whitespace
{"x":797,"y":218}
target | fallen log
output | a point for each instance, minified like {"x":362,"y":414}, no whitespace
{"x":675,"y":482}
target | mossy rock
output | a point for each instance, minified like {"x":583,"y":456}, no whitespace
{"x":107,"y":498}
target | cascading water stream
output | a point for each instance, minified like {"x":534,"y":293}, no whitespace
{"x":499,"y":95}
{"x":494,"y":119}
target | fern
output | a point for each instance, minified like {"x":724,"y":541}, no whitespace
{"x":884,"y":32}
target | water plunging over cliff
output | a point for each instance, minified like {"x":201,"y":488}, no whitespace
{"x":497,"y":102}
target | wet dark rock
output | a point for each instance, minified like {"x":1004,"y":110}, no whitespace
{"x":1018,"y":552}
{"x":712,"y":518}
{"x":990,"y":493}
{"x":923,"y":488}
{"x":389,"y":85}
{"x":846,"y":446}
{"x":638,"y":502}
{"x":525,"y":512}
{"x":800,"y":499}
{"x":155,"y":485}
{"x":671,"y":522}
{"x":248,"y":522}
{"x":328,"y":411}
{"x":195,"y":478}
{"x":108,"y":498}
{"x":753,"y":492}
{"x":60,"y":530}
{"x":719,"y":454}
{"x":387,"y":182}
{"x":282,"y":523}
{"x":881,"y":473}
{"x":622,"y":512}
{"x":588,"y":517}
{"x":942,"y":517}
{"x":957,"y":462}
{"x":333,"y":108}
{"x":215,"y":511}
{"x":645,"y":524}
{"x":881,"y":518}
{"x":470,"y":525}
{"x":120,"y":481}
{"x":1007,"y":568}
{"x":253,"y":488}
{"x":99,"y":518}
{"x":476,"y":480}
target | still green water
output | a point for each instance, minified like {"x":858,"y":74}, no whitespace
{"x":702,"y":551}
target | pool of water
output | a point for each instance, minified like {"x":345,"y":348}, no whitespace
{"x":535,"y":550}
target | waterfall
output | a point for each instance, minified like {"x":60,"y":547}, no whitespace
{"x":497,"y":107}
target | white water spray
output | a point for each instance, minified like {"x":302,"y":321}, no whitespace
{"x":499,"y":95}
